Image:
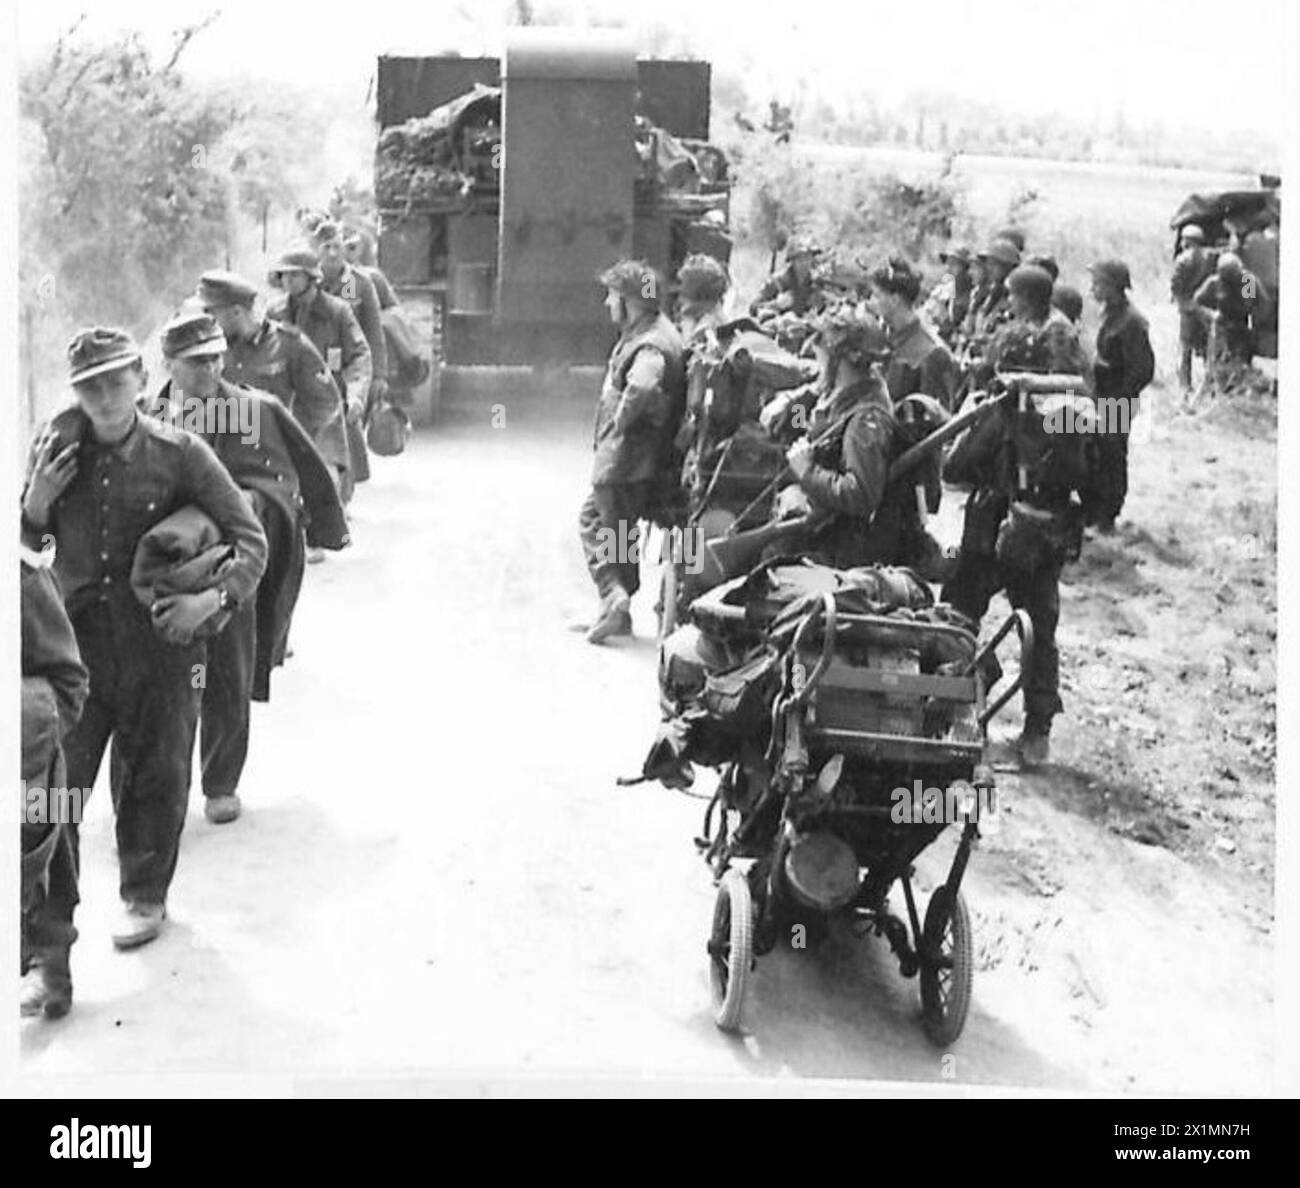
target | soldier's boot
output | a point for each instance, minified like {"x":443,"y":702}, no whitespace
{"x":1034,"y":743}
{"x":221,"y":810}
{"x":138,"y":924}
{"x":46,"y":988}
{"x":615,"y":617}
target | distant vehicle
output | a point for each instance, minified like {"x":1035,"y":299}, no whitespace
{"x":505,"y":187}
{"x":1246,"y":222}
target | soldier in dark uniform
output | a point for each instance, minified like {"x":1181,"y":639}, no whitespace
{"x":276,"y":357}
{"x":1231,"y":298}
{"x":358,"y":248}
{"x":640,"y":405}
{"x":949,"y":303}
{"x":990,"y":305}
{"x":293,"y":491}
{"x":794,"y":289}
{"x":1125,"y":364}
{"x":341,"y":278}
{"x":984,"y":459}
{"x":100,"y":476}
{"x":917,"y":361}
{"x":54,"y":688}
{"x":1193,"y":265}
{"x":335,"y":333}
{"x":1069,"y":301}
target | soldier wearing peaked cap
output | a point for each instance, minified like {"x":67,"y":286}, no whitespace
{"x":100,"y":476}
{"x":341,"y":279}
{"x":294,"y":495}
{"x":278,"y":358}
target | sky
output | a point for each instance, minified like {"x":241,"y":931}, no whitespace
{"x":1152,"y":60}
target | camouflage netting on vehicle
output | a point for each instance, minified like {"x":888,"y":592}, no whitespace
{"x":435,"y":161}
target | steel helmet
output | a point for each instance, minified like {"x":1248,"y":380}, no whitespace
{"x":701,"y":280}
{"x":1032,"y":283}
{"x":848,"y":331}
{"x":635,"y":279}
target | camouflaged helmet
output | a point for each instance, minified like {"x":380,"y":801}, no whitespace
{"x":849,"y":332}
{"x":635,"y":279}
{"x":701,"y":280}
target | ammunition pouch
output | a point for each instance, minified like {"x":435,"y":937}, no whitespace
{"x":1031,"y":538}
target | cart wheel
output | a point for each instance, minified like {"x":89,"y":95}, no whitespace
{"x":731,"y":949}
{"x":945,"y":967}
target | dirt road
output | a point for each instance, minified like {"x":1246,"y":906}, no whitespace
{"x":436,"y":871}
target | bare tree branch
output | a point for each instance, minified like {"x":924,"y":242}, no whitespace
{"x":182,"y":38}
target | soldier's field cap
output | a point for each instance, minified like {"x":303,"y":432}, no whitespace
{"x":1114,"y":271}
{"x":960,"y":255}
{"x":219,"y":288}
{"x":99,"y":350}
{"x":192,"y":336}
{"x":295,"y":260}
{"x":1193,"y":231}
{"x":1003,"y":251}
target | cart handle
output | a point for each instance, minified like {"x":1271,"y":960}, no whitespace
{"x":1025,"y":630}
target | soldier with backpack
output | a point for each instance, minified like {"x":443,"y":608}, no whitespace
{"x":640,"y":406}
{"x":1025,"y":464}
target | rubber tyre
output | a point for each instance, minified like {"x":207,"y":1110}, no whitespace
{"x":945,"y":988}
{"x":731,"y":949}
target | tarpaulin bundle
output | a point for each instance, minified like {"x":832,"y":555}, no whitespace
{"x":420,"y":162}
{"x":183,"y":554}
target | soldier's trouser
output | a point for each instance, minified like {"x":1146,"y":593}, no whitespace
{"x":358,"y":454}
{"x":46,"y":857}
{"x":1110,"y":485}
{"x":232,"y":679}
{"x":145,"y":698}
{"x":227,"y":698}
{"x":969,"y":590}
{"x":609,"y":526}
